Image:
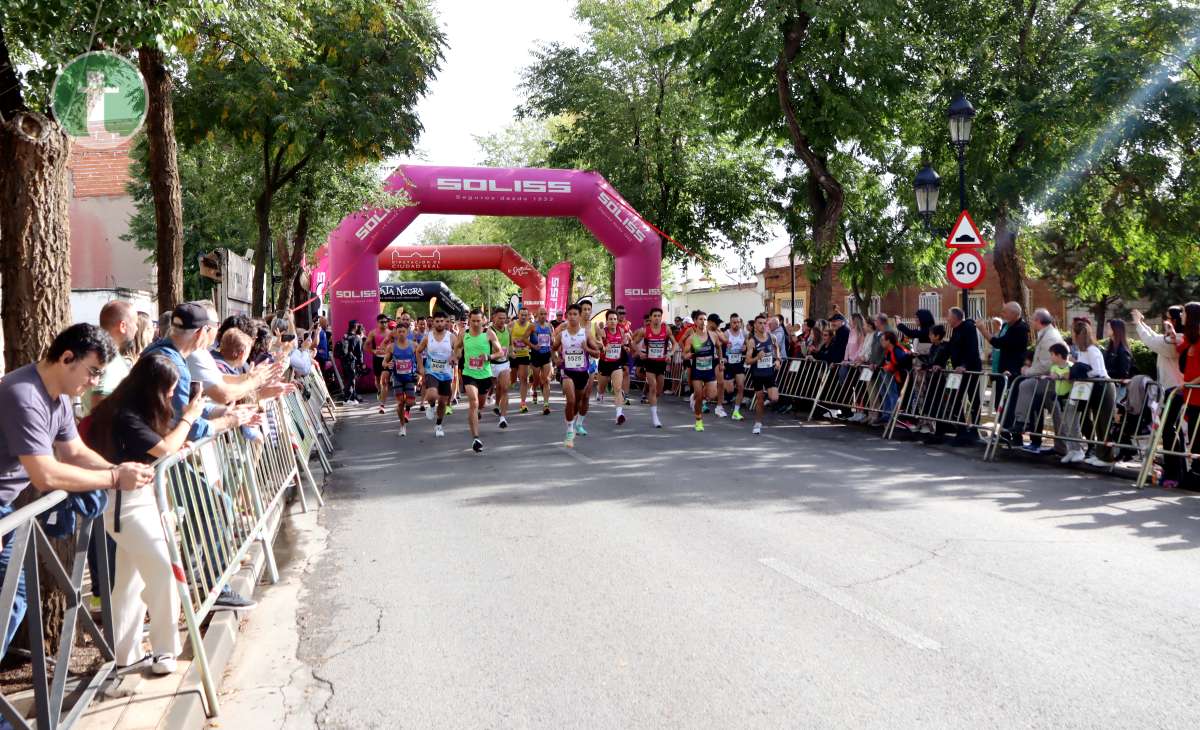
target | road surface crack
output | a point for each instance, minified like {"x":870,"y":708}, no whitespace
{"x":932,"y":554}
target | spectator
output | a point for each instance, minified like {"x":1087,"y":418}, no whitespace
{"x":260,"y":350}
{"x":1175,"y":468}
{"x":1032,"y":391}
{"x":1010,"y":342}
{"x":896,"y":362}
{"x":920,"y":333}
{"x":964,"y":342}
{"x":841,"y":338}
{"x":350,"y":353}
{"x":856,"y":337}
{"x":1118,"y":360}
{"x":1163,"y":346}
{"x":232,"y":355}
{"x":1098,"y":408}
{"x":777,"y":330}
{"x":217,"y":385}
{"x":139,"y":415}
{"x":192,"y":328}
{"x":875,"y":352}
{"x":39,"y":443}
{"x":143,"y":337}
{"x":301,"y":355}
{"x":1066,"y":414}
{"x":119,"y":319}
{"x":161,"y":328}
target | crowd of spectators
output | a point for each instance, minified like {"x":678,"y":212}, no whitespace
{"x":144,"y":390}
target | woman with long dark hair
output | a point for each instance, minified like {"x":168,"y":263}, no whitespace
{"x":137,"y":423}
{"x":1186,"y":403}
{"x":1118,"y":359}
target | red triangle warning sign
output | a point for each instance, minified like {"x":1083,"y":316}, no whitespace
{"x":964,"y":234}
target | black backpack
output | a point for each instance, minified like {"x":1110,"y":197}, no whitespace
{"x":340,"y":350}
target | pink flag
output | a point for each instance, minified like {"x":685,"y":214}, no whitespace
{"x":558,"y":288}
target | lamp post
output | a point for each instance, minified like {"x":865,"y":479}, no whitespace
{"x":927,"y":184}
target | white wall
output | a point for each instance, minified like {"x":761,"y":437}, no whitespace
{"x":746,"y":302}
{"x":87,"y":303}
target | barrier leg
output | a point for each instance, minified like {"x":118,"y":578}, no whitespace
{"x":199,"y":655}
{"x":312,"y":483}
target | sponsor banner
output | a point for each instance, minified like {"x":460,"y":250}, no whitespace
{"x":558,"y":288}
{"x":622,"y":214}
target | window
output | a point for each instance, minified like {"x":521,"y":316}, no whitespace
{"x":852,"y":306}
{"x":785,"y":308}
{"x":977,"y":306}
{"x":932,"y":301}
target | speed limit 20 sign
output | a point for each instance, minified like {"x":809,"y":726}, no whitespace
{"x":965,"y":269}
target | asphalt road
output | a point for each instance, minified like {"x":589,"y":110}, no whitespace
{"x":814,"y":576}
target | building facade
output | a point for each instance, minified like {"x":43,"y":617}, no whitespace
{"x":985,"y":299}
{"x":744,"y":299}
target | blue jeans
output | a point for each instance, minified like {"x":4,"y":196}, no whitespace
{"x":19,"y":603}
{"x":891,"y":396}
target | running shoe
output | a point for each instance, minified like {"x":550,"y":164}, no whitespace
{"x":569,"y":441}
{"x":449,"y":409}
{"x":381,"y":410}
{"x":737,"y":414}
{"x":579,"y":429}
{"x":477,"y":446}
{"x":422,"y":408}
{"x":620,"y":419}
{"x":720,"y":411}
{"x":495,"y":411}
{"x":627,"y":401}
{"x":658,"y":424}
{"x":546,"y":410}
{"x":439,"y":432}
{"x":757,"y":428}
{"x":704,"y":407}
{"x":429,"y":415}
{"x":503,"y":422}
{"x":403,"y":430}
{"x":524,"y":408}
{"x":699,"y":424}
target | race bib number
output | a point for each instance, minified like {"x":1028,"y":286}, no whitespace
{"x":704,"y":363}
{"x":953,"y":381}
{"x":658,"y":350}
{"x":766,"y":361}
{"x":403,"y":367}
{"x":543,"y":341}
{"x":1081,"y":391}
{"x":573,"y":361}
{"x":734,"y":358}
{"x":476,"y":362}
{"x":612,"y":352}
{"x":441,"y":367}
{"x":865,"y":375}
{"x":794,"y":366}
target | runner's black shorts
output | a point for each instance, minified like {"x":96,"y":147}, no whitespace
{"x":761,"y":382}
{"x":406,"y":384}
{"x":654,"y":367}
{"x":518,"y":361}
{"x":579,"y":377}
{"x":704,"y":376}
{"x":539,"y":359}
{"x":444,"y":387}
{"x":608,"y":368}
{"x":734,"y":369}
{"x":377,"y":365}
{"x":482,"y":384}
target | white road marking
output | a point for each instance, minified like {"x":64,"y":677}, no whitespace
{"x":844,"y":455}
{"x":578,"y":456}
{"x":849,"y":603}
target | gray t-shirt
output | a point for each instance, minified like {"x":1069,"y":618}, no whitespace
{"x":33,"y":422}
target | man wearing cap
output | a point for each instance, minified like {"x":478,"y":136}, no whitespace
{"x":841,"y":338}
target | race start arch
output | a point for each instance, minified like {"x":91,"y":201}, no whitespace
{"x":357,"y":242}
{"x":469,"y":257}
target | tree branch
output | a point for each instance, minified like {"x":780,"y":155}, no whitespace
{"x":11,"y":99}
{"x":303,"y":161}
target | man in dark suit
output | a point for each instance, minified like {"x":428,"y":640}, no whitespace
{"x":841,"y":338}
{"x":964,"y":355}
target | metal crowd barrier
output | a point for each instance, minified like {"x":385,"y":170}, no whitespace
{"x":221,"y":495}
{"x":803,"y":379}
{"x":31,"y":553}
{"x":964,"y":401}
{"x":1174,"y":435}
{"x":864,"y":389}
{"x":319,"y":399}
{"x":1108,"y":417}
{"x":313,"y":402}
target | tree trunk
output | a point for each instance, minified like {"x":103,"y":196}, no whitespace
{"x":1005,"y":261}
{"x":262,"y":214}
{"x":35,"y":245}
{"x":1099,"y":314}
{"x":291,"y":263}
{"x":35,"y":256}
{"x":164,"y":177}
{"x":825,"y":236}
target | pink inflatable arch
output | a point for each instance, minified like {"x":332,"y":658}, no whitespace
{"x":358,"y":240}
{"x":459,"y":258}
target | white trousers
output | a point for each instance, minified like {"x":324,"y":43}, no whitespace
{"x":144,"y":580}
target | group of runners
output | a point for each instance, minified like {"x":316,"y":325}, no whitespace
{"x":427,"y":363}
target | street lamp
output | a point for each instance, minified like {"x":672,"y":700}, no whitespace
{"x":927,"y":185}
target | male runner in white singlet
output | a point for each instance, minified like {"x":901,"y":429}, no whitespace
{"x":574,"y":347}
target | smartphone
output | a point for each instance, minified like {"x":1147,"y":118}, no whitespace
{"x":194,"y":390}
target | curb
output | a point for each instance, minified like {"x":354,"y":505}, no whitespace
{"x":187,"y":707}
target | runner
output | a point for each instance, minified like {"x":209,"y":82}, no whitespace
{"x":539,"y":359}
{"x":574,"y":347}
{"x":420,"y":327}
{"x":501,"y":369}
{"x":762,"y":357}
{"x":438,"y":350}
{"x":656,"y":346}
{"x":734,"y":342}
{"x":522,"y":333}
{"x":615,"y":342}
{"x":626,"y":327}
{"x":377,"y":344}
{"x":704,"y":349}
{"x":403,"y":362}
{"x":478,"y":350}
{"x":585,"y":319}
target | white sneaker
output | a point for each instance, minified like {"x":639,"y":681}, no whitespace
{"x":503,"y":422}
{"x":163,"y":665}
{"x":439,"y":432}
{"x":429,"y":413}
{"x":1097,"y":462}
{"x":757,"y":428}
{"x":720,"y":411}
{"x":858,"y":417}
{"x":403,"y":430}
{"x":1072,"y":457}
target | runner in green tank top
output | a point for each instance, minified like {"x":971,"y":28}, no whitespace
{"x":502,"y":369}
{"x":478,"y":349}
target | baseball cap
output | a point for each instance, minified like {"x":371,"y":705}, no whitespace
{"x":190,"y":316}
{"x":837,"y":317}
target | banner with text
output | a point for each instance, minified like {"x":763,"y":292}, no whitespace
{"x":558,"y":288}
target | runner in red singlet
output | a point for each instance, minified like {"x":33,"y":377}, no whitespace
{"x":614,"y":342}
{"x":656,"y":346}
